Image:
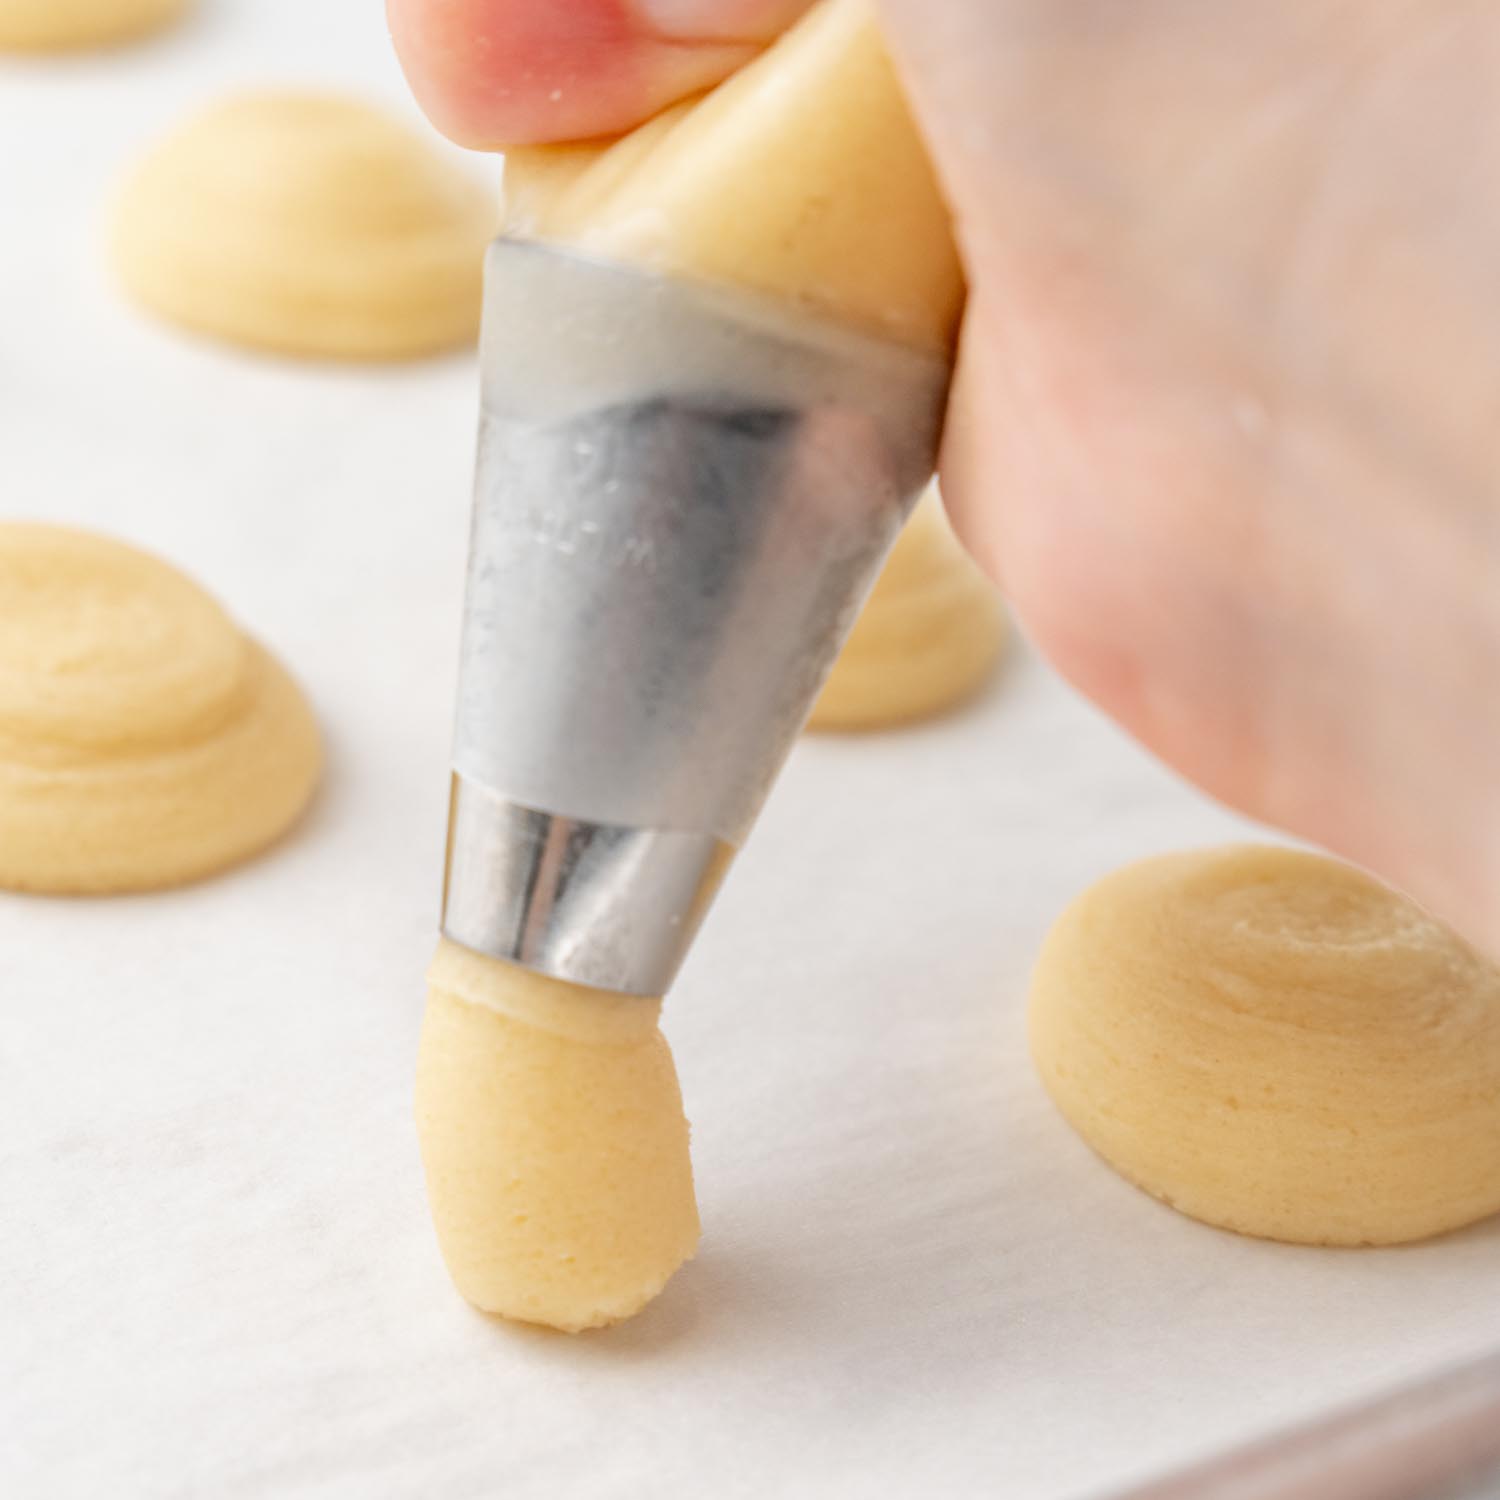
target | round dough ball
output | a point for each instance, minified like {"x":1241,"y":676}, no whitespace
{"x":927,"y":640}
{"x":1275,"y":1043}
{"x":307,"y":224}
{"x":144,"y":741}
{"x":554,"y":1144}
{"x":56,"y":25}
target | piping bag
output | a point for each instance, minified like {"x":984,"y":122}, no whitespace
{"x":714,"y":364}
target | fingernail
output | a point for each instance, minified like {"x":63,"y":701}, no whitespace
{"x":676,"y":17}
{"x":718,"y":20}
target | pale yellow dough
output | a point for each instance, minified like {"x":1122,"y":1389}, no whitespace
{"x":144,"y":740}
{"x":308,"y":224}
{"x":58,"y":25}
{"x":554,"y":1143}
{"x":927,"y":640}
{"x":802,"y":176}
{"x":1272,"y":1042}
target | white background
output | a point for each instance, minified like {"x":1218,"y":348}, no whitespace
{"x":216,"y":1275}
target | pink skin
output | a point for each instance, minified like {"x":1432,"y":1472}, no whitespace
{"x":1228,"y":418}
{"x":512,"y":72}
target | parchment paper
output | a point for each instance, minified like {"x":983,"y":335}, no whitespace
{"x":216,"y":1274}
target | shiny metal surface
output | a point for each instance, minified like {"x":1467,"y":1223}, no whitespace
{"x":683,"y":495}
{"x":585,"y":900}
{"x":1438,"y":1440}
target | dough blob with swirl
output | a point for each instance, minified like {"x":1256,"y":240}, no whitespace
{"x":1275,"y":1043}
{"x":309,"y":224}
{"x":144,"y":739}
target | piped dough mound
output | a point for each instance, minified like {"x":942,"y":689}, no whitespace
{"x":59,"y":25}
{"x":927,"y":640}
{"x":554,"y":1143}
{"x":144,"y":741}
{"x":1275,"y":1043}
{"x":307,"y":224}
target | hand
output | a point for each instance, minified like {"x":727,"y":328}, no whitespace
{"x":1228,"y":415}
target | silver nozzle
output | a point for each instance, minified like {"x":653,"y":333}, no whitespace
{"x":683,"y":495}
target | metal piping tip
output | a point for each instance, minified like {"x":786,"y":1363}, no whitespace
{"x":683,"y":495}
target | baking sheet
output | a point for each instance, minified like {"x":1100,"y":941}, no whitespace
{"x":216,"y":1276}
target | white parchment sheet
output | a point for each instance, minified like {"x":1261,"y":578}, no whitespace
{"x":216,"y":1274}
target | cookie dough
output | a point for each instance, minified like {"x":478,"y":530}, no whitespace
{"x":307,"y":224}
{"x":928,"y":639}
{"x":1273,"y":1042}
{"x":801,"y":176}
{"x":144,"y":740}
{"x":58,"y":25}
{"x":554,"y":1143}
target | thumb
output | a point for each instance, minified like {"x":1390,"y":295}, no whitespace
{"x":494,"y":73}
